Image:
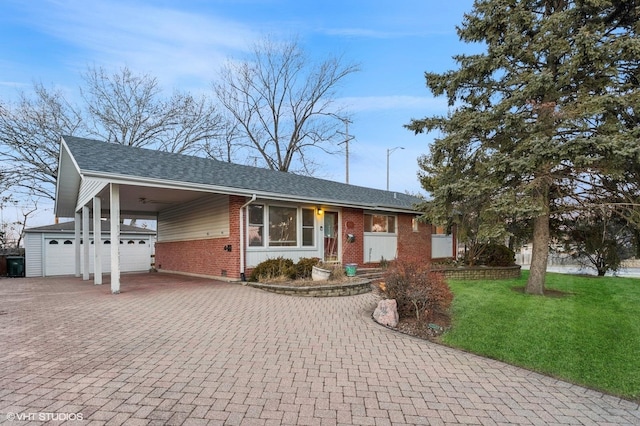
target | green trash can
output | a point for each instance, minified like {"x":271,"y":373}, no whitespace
{"x":351,"y":269}
{"x":15,"y":266}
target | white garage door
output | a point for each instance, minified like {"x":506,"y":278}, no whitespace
{"x":135,"y":255}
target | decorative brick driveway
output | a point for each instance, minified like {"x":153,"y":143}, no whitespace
{"x":179,"y":350}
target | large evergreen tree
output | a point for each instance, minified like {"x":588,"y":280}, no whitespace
{"x":542,"y":116}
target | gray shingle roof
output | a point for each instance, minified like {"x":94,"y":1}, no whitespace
{"x":102,"y":157}
{"x":104,"y":225}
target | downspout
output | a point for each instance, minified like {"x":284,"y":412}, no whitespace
{"x":242,"y":242}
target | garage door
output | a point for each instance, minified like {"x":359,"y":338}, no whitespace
{"x":135,"y":255}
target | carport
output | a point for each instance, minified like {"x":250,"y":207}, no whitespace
{"x":90,"y":188}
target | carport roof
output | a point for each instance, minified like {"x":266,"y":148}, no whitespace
{"x":99,"y":159}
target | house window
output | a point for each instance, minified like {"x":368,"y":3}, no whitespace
{"x":256,"y":225}
{"x":440,"y":230}
{"x":67,"y":242}
{"x":308,"y":227}
{"x":53,"y":242}
{"x":379,"y":223}
{"x":283,"y":226}
{"x":415,"y":224}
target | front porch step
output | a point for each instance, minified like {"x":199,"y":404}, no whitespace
{"x":373,"y":274}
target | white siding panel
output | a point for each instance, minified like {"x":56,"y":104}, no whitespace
{"x":254,"y":257}
{"x":33,"y":255}
{"x":380,"y":245}
{"x":88,"y":189}
{"x":206,"y":217}
{"x":441,"y":246}
{"x":60,"y":257}
{"x":134,"y":257}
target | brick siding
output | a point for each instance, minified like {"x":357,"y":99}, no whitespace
{"x":209,"y":258}
{"x":413,"y":246}
{"x":353,"y":223}
{"x":206,"y":257}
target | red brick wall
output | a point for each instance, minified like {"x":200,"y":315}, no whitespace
{"x":207,"y":256}
{"x":204,"y":257}
{"x":353,"y":223}
{"x":413,"y":246}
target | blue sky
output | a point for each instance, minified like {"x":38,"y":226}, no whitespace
{"x":184,"y":43}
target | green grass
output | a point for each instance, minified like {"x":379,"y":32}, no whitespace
{"x":589,"y":337}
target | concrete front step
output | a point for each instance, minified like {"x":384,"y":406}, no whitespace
{"x":373,"y":274}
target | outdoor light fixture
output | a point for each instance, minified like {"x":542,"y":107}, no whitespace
{"x":320,"y":211}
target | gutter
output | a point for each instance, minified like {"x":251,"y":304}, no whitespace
{"x":169,"y":184}
{"x":242,"y":260}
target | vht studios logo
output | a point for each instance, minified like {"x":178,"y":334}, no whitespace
{"x":44,"y":417}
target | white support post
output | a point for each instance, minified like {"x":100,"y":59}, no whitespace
{"x":97,"y":241}
{"x":114,"y":214}
{"x":86,"y":242}
{"x":76,"y":234}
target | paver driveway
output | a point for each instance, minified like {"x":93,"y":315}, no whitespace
{"x":179,"y":350}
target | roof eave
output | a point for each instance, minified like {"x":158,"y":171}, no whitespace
{"x":66,"y":165}
{"x":246,"y":192}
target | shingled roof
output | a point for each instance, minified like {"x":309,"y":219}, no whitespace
{"x":65,"y":227}
{"x":102,"y":158}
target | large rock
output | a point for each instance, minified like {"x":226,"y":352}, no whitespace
{"x":387,"y":312}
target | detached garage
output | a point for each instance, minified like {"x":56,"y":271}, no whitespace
{"x":50,"y":250}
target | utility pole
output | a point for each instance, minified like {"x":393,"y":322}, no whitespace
{"x":346,"y":122}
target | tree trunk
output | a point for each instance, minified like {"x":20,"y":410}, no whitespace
{"x":540,"y":249}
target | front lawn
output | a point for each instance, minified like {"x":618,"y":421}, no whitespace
{"x":589,"y":336}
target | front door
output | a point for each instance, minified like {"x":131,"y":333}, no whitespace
{"x":331,"y":240}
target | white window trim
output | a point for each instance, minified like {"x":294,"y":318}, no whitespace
{"x":395,"y":219}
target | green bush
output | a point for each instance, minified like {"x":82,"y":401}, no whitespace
{"x":276,"y":268}
{"x":304,"y":267}
{"x":419,"y":291}
{"x":496,"y":255}
{"x":490,"y":254}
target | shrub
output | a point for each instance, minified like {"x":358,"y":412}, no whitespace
{"x":270,"y":269}
{"x":337,"y":272}
{"x":418,"y":291}
{"x":490,"y":254}
{"x":304,"y":267}
{"x":496,"y":255}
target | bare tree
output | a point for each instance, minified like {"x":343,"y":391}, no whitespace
{"x":129,"y":109}
{"x":284,"y":103}
{"x":30,"y":131}
{"x":193,"y":124}
{"x":21,"y":223}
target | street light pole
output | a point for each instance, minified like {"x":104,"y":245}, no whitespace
{"x":389,"y":151}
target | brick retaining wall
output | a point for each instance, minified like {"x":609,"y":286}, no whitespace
{"x":482,"y":273}
{"x":350,"y":289}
